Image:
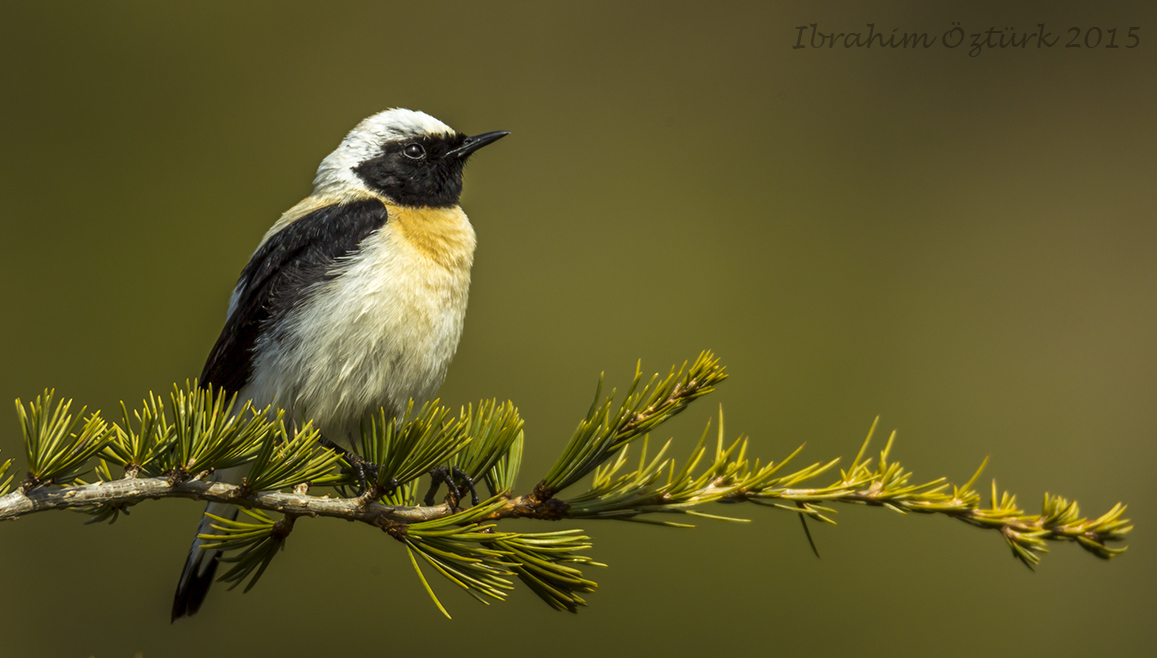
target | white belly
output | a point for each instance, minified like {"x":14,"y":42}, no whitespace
{"x":382,"y":332}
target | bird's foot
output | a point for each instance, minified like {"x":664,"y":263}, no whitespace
{"x":447,"y":474}
{"x":361,"y":468}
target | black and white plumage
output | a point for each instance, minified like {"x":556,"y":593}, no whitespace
{"x":354,"y":300}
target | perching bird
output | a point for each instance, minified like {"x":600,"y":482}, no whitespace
{"x":354,"y":299}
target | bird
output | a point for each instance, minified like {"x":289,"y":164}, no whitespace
{"x":354,"y":299}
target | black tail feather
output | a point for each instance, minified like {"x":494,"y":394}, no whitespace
{"x":194,"y":585}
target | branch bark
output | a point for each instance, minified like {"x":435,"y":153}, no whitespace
{"x":130,"y":491}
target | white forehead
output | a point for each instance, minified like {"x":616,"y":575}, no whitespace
{"x":365,"y":142}
{"x":398,"y":124}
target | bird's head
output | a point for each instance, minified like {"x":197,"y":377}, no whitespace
{"x":409,"y":157}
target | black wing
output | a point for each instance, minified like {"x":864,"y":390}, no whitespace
{"x":279,"y":277}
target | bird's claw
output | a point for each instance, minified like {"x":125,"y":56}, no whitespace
{"x":447,"y":474}
{"x":361,"y":468}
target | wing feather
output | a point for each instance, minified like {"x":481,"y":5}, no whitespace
{"x":279,"y":278}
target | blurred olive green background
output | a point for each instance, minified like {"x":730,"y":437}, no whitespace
{"x":965,"y":246}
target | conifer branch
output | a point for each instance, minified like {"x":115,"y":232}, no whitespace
{"x":482,"y":444}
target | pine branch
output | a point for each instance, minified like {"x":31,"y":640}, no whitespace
{"x":483,"y":443}
{"x":730,"y":478}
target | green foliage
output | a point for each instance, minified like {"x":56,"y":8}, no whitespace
{"x":1059,"y":519}
{"x":284,"y":461}
{"x":208,"y":434}
{"x":492,"y":429}
{"x":5,"y":482}
{"x":542,"y":562}
{"x":461,"y":549}
{"x":485,"y":442}
{"x":603,"y":432}
{"x":503,"y":475}
{"x":636,"y":493}
{"x":254,"y":545}
{"x":475,"y":556}
{"x":57,"y":451}
{"x":407,"y":449}
{"x":143,"y":450}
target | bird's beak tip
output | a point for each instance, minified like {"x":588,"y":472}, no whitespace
{"x":476,"y":142}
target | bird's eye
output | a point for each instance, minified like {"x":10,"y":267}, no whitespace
{"x":414,"y":151}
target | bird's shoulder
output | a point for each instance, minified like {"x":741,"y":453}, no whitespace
{"x":303,"y":248}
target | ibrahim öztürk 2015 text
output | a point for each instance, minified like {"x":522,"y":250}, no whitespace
{"x":993,"y":38}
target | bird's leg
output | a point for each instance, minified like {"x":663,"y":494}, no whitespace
{"x":469,"y":484}
{"x":447,"y":474}
{"x":437,"y":477}
{"x":360,"y":467}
